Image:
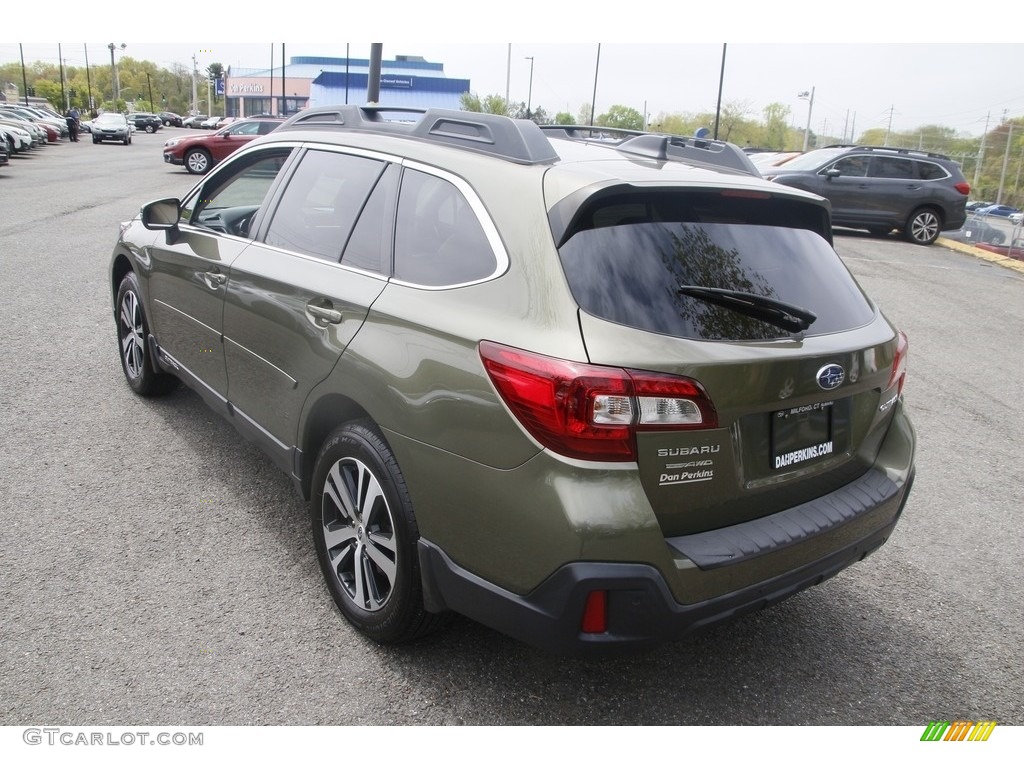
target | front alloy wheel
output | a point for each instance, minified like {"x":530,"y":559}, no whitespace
{"x":132,"y":332}
{"x":133,"y":348}
{"x":197,"y":161}
{"x":923,"y":227}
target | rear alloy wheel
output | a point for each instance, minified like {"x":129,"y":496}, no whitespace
{"x":132,"y":332}
{"x":365,"y":535}
{"x":923,"y":227}
{"x":150,"y":129}
{"x":197,"y":161}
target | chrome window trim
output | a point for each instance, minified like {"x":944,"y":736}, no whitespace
{"x":501,"y":258}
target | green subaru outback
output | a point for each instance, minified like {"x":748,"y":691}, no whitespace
{"x":594,"y":389}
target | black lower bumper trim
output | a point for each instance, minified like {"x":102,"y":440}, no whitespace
{"x":642,"y":611}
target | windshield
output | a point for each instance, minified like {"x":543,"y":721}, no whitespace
{"x":813,"y":160}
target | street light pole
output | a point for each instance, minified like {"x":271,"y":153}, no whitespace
{"x":529,"y":93}
{"x":115,"y":86}
{"x":810,"y":106}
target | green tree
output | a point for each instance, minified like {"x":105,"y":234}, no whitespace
{"x":564,"y":118}
{"x":619,"y":116}
{"x":776,"y":126}
{"x":492,"y":104}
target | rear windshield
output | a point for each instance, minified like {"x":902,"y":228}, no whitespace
{"x":643,"y":260}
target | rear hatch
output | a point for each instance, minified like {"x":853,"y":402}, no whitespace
{"x":743,"y":293}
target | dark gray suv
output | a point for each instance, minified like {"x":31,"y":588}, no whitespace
{"x":591,"y":390}
{"x":883,"y":188}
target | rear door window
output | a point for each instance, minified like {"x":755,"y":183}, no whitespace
{"x":321,"y":202}
{"x":892,"y":168}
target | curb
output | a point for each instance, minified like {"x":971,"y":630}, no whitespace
{"x":981,"y":253}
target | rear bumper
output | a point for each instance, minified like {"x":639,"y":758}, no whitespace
{"x":642,"y":610}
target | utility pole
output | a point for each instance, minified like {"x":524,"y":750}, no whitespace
{"x":88,"y":79}
{"x":529,"y":93}
{"x":888,"y":127}
{"x":195,"y":97}
{"x":1006,"y":160}
{"x":721,"y":82}
{"x":63,"y":93}
{"x":981,"y":153}
{"x":810,"y":106}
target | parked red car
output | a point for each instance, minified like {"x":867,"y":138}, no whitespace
{"x":200,"y":153}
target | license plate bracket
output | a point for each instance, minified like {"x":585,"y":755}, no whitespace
{"x":801,"y":434}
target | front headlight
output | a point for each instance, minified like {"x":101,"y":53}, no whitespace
{"x":171,"y":143}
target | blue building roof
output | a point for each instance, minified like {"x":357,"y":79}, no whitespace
{"x":404,"y":81}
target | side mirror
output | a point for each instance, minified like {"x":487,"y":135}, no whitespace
{"x":833,"y":173}
{"x":162,"y":215}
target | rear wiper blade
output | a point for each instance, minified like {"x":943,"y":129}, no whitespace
{"x":789,"y":317}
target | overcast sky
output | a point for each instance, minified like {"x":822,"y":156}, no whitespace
{"x":664,"y":56}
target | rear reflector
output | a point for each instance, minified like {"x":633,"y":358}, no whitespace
{"x":595,"y":613}
{"x":899,"y":362}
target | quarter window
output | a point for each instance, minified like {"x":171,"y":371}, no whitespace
{"x":438,"y":238}
{"x":929,"y":171}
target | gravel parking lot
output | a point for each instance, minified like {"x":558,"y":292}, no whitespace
{"x":158,"y":569}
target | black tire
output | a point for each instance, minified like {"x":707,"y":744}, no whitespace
{"x":198,"y":161}
{"x":150,"y":129}
{"x":997,"y":238}
{"x":923,"y":227}
{"x":95,"y":140}
{"x":132,"y":333}
{"x":365,"y":535}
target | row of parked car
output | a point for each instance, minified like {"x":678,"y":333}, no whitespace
{"x":208,"y":122}
{"x":24,"y":128}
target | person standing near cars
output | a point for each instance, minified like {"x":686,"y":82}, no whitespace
{"x":72,"y":120}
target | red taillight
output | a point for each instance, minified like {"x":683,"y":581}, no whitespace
{"x":595,"y":613}
{"x":962,"y":187}
{"x":899,"y":363}
{"x":589,"y":411}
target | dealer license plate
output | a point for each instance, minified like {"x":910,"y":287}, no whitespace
{"x":801,"y":434}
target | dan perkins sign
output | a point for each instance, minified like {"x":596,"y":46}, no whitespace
{"x":246,"y":88}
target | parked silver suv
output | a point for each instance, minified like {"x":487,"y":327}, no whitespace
{"x":883,"y":188}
